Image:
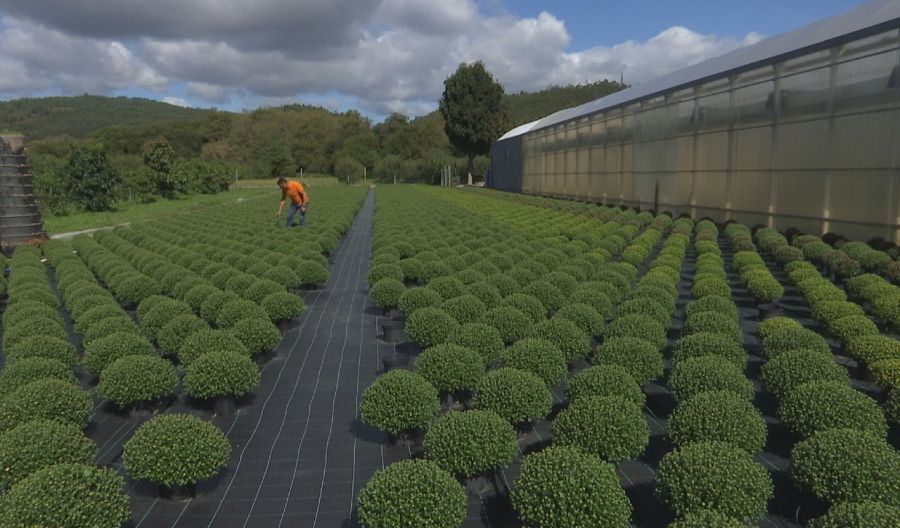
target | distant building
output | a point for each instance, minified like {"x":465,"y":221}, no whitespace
{"x":799,"y":130}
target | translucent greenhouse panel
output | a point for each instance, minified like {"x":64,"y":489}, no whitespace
{"x":862,"y":196}
{"x":801,"y":145}
{"x":749,"y":191}
{"x":674,"y":190}
{"x":712,"y":151}
{"x":752,"y":149}
{"x":858,"y":141}
{"x":799,"y":193}
{"x":709,"y":188}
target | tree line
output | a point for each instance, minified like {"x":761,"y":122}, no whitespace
{"x":158,"y":158}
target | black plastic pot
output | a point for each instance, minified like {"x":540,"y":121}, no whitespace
{"x":767,"y":310}
{"x":178,"y":493}
{"x":394,"y":361}
{"x":393,"y":331}
{"x":225,"y":406}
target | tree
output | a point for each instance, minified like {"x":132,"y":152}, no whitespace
{"x":92,"y":180}
{"x":472,"y":106}
{"x":159,"y":157}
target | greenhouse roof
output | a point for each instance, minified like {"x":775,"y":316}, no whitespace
{"x":871,"y":15}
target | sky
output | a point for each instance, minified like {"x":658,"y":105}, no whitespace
{"x":377,"y":56}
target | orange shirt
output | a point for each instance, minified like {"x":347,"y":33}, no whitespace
{"x":296,"y":192}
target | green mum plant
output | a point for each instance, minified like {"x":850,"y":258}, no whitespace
{"x":135,"y":379}
{"x":695,"y":375}
{"x":399,"y":401}
{"x":451,"y":368}
{"x":50,"y":399}
{"x":412,"y":493}
{"x":538,"y":356}
{"x":479,"y":337}
{"x":470,"y":443}
{"x":612,"y":428}
{"x":605,"y":380}
{"x":713,"y":475}
{"x":38,"y":444}
{"x":561,"y":487}
{"x":796,"y":367}
{"x":430,"y":326}
{"x":515,"y":395}
{"x":820,"y":405}
{"x":639,"y":357}
{"x":176,"y":450}
{"x":66,"y":495}
{"x":718,"y":415}
{"x":847,"y":465}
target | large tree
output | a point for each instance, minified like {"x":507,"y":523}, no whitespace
{"x":472,"y":106}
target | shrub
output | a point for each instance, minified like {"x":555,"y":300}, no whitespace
{"x":594,"y":298}
{"x":313,"y":272}
{"x":713,"y":475}
{"x":527,"y":304}
{"x":173,"y":333}
{"x":873,"y":348}
{"x":26,"y":370}
{"x":257,"y":334}
{"x":176,"y":450}
{"x":209,"y":340}
{"x":708,"y":344}
{"x":219,"y":375}
{"x":515,"y":395}
{"x":706,"y":519}
{"x":98,"y":354}
{"x":852,"y":326}
{"x":863,"y":514}
{"x":284,"y":276}
{"x":447,"y":287}
{"x":38,"y":444}
{"x":512,"y":324}
{"x":796,"y":367}
{"x":830,"y":311}
{"x":451,"y":368}
{"x":51,"y":399}
{"x":714,"y":323}
{"x":538,"y":356}
{"x":639,"y":326}
{"x":892,"y":406}
{"x":67,"y":495}
{"x":561,"y":487}
{"x":430,"y":326}
{"x":161,"y":313}
{"x":109,"y":326}
{"x":386,"y":292}
{"x":259,"y":289}
{"x":37,"y":327}
{"x":605,"y":380}
{"x":711,"y":303}
{"x":771,"y":326}
{"x":819,"y":405}
{"x":412,"y":493}
{"x":694,"y":375}
{"x":133,"y":379}
{"x":464,"y":308}
{"x":42,"y":346}
{"x":587,"y":319}
{"x":765,"y":289}
{"x":233,"y":311}
{"x":282,"y":305}
{"x":887,"y":309}
{"x":547,"y":293}
{"x":704,"y":287}
{"x":210,"y":307}
{"x":886,"y":373}
{"x":786,"y":339}
{"x":718,"y":415}
{"x":399,"y":401}
{"x":479,"y":337}
{"x":97,"y":314}
{"x":572,"y":342}
{"x":416,"y":298}
{"x":847,"y":465}
{"x":135,"y":288}
{"x":612,"y":428}
{"x":639,"y":357}
{"x":471,"y":442}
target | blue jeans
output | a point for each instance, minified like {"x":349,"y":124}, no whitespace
{"x":292,"y":210}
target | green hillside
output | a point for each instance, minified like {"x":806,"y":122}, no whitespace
{"x":82,"y":115}
{"x":526,"y":107}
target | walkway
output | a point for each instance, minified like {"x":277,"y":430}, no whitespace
{"x":300,"y":456}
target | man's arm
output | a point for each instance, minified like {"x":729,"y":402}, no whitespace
{"x":280,"y":207}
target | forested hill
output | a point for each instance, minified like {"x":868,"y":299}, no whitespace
{"x":82,"y":115}
{"x":526,"y":107}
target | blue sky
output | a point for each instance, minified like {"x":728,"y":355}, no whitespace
{"x":378,"y":56}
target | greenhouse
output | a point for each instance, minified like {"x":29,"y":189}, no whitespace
{"x":799,"y":130}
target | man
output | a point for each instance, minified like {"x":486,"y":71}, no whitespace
{"x":299,"y":200}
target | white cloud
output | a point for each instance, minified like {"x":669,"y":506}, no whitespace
{"x":177,"y":101}
{"x":388,"y":55}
